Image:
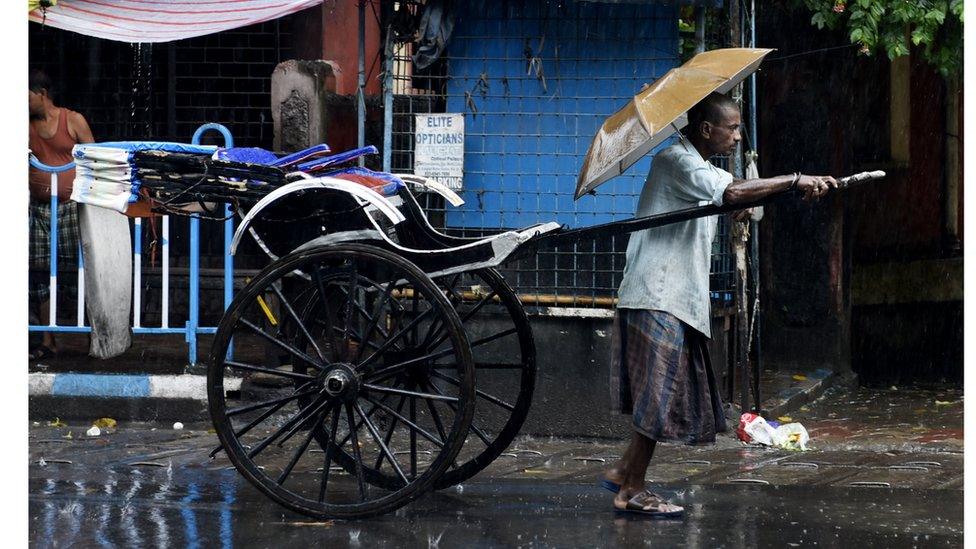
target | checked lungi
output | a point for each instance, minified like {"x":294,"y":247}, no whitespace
{"x":662,"y":376}
{"x":39,"y":247}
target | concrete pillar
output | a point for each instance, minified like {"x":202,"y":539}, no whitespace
{"x":300,"y":93}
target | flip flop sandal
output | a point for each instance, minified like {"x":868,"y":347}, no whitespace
{"x":650,"y":504}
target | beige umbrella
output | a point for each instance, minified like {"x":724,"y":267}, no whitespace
{"x":659,"y":110}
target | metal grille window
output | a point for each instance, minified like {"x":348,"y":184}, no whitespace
{"x":534,"y":81}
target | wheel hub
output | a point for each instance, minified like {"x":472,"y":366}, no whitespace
{"x":340,"y":381}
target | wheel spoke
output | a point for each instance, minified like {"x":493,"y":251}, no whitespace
{"x":376,"y":436}
{"x":398,"y":416}
{"x":386,"y":371}
{"x":362,"y":311}
{"x":389,"y":432}
{"x":299,"y":416}
{"x":278,"y":404}
{"x":292,"y":350}
{"x":381,"y":389}
{"x":479,"y":366}
{"x":251,"y":407}
{"x":355,"y":333}
{"x":437,"y":326}
{"x":298,"y":321}
{"x":360,"y":424}
{"x":437,"y":421}
{"x":482,"y":394}
{"x":301,"y":449}
{"x":270,"y":371}
{"x":415,"y":301}
{"x":435,"y":416}
{"x":374,"y":321}
{"x":481,"y":434}
{"x":466,"y":316}
{"x":333,"y":344}
{"x":350,"y":313}
{"x":477,"y":307}
{"x":299,"y":425}
{"x":393,"y":339}
{"x":413,"y":438}
{"x":482,"y":341}
{"x":356,"y":453}
{"x":330,"y":445}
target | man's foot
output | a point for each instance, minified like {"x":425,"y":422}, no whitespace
{"x":42,"y":351}
{"x":612,"y":479}
{"x":648,"y":503}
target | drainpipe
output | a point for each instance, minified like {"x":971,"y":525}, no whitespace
{"x":361,"y":92}
{"x":388,"y":102}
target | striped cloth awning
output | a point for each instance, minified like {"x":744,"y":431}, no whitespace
{"x":161,"y":20}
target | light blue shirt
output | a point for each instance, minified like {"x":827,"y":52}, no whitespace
{"x":667,"y":267}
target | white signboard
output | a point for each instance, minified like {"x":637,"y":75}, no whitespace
{"x":438,"y":151}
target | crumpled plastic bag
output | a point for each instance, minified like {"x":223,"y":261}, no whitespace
{"x":758,"y":431}
{"x":791,"y":436}
{"x":754,"y":429}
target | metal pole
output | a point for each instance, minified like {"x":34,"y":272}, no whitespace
{"x":699,"y":29}
{"x":194,"y":322}
{"x":738,"y":247}
{"x":360,"y":93}
{"x":53,"y":295}
{"x":137,"y":274}
{"x":754,"y":229}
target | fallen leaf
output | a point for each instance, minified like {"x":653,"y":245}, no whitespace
{"x":944,"y":403}
{"x":57,"y":423}
{"x":784,"y":419}
{"x":104,"y":423}
{"x":68,"y":435}
{"x":799,"y":377}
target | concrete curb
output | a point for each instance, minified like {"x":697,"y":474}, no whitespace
{"x":813,"y":388}
{"x":193,"y":387}
{"x":121,"y":396}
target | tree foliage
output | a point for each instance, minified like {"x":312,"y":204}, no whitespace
{"x":891,"y":26}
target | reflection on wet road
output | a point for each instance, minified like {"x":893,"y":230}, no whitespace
{"x":197,"y":507}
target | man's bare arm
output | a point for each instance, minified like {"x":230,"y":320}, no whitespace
{"x":79,"y":127}
{"x":742,"y":191}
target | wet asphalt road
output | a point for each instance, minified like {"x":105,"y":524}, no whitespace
{"x":198,"y":508}
{"x":889,"y":475}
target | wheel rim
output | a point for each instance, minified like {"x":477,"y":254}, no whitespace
{"x":345,"y":324}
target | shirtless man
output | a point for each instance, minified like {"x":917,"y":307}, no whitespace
{"x":54,"y":131}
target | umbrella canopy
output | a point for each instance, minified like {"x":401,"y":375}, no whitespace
{"x":660,"y":110}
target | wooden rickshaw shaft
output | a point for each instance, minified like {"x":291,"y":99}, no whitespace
{"x":627,"y":226}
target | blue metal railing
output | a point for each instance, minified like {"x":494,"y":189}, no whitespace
{"x":192,"y":327}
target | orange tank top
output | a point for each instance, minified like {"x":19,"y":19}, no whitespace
{"x":53,"y":151}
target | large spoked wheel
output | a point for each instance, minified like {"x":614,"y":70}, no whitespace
{"x":350,"y":319}
{"x":505,"y":364}
{"x":503,"y":351}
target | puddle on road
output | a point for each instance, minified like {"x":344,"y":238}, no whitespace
{"x":194,"y":507}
